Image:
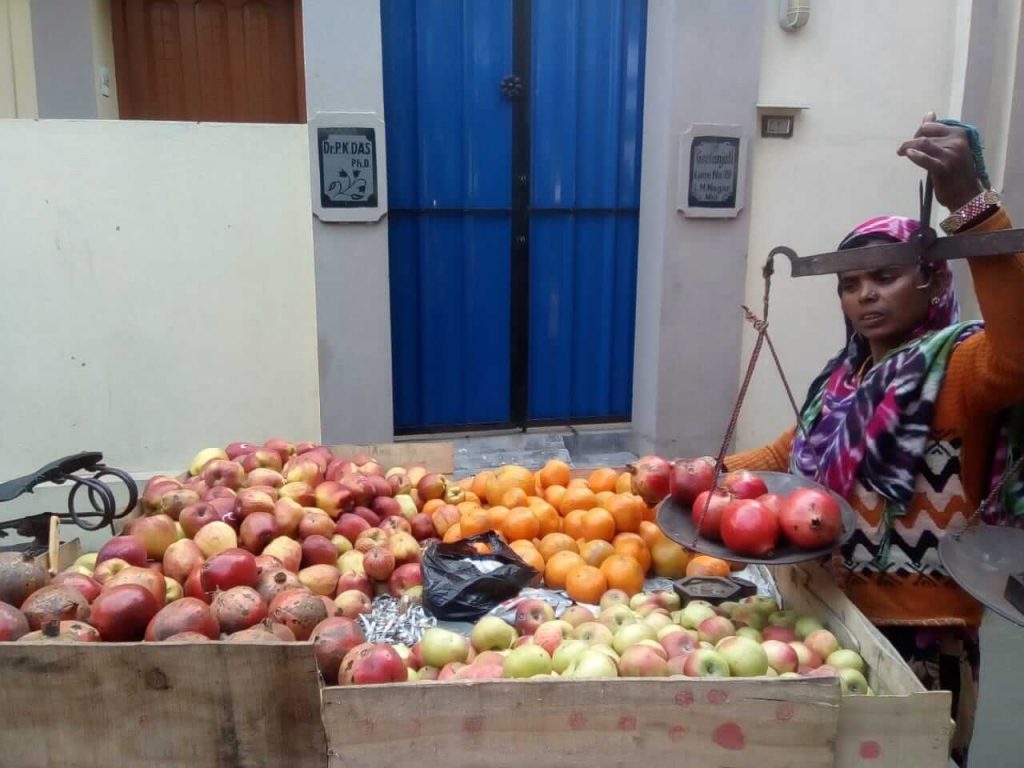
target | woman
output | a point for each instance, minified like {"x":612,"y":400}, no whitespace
{"x":909,"y":421}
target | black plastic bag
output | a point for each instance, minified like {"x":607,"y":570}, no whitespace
{"x":461,"y":584}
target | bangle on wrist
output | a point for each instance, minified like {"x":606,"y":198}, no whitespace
{"x":973,"y":212}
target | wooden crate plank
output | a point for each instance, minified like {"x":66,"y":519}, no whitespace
{"x":542,"y":723}
{"x":894,"y":731}
{"x":203,"y":705}
{"x":437,"y":457}
{"x":810,"y":589}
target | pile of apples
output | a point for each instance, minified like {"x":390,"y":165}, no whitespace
{"x":648,"y":635}
{"x":256,"y":543}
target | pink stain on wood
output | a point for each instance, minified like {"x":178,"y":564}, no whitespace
{"x":577,"y":721}
{"x":729,"y":736}
{"x":870,"y":750}
{"x":414,"y":728}
{"x":473,"y":724}
{"x":717,"y":696}
{"x":784,"y":712}
{"x":367,"y":725}
{"x":684,"y":698}
{"x":627,"y":723}
{"x":677,"y":733}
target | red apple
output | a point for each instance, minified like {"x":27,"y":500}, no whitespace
{"x":303,"y":493}
{"x":404,"y":578}
{"x":257,"y":530}
{"x":332,"y":639}
{"x":355,"y":581}
{"x":262,"y":458}
{"x":127,"y":548}
{"x":372,"y":663}
{"x":156,"y":533}
{"x":379,"y":563}
{"x":122,"y":613}
{"x":333,"y":498}
{"x":189,"y":614}
{"x":370,"y":538}
{"x":360,"y":488}
{"x":339,"y":468}
{"x":531,"y":613}
{"x":385,"y":506}
{"x":195,"y":516}
{"x":229,"y":474}
{"x":220,"y":492}
{"x":320,"y":579}
{"x":288,"y":513}
{"x":254,"y":500}
{"x":404,"y":547}
{"x":315,"y":521}
{"x":287,"y":550}
{"x":432,"y":486}
{"x":304,"y":469}
{"x":392,"y":525}
{"x":318,"y":550}
{"x":380,"y":486}
{"x":368,"y":515}
{"x":180,"y":558}
{"x":350,"y":526}
{"x":284,"y":448}
{"x":264,"y":476}
{"x":108,"y":568}
{"x":422,"y":526}
{"x":781,"y":634}
{"x":234,"y":450}
{"x":353,"y":603}
{"x":86,"y":585}
{"x":230,"y":568}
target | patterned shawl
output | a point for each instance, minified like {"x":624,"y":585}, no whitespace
{"x":876,"y":430}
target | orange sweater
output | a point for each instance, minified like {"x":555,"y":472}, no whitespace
{"x":985,"y":376}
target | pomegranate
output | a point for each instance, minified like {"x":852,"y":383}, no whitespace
{"x":257,"y":530}
{"x":55,"y":603}
{"x":265,"y":632}
{"x":372,"y":663}
{"x":690,"y":478}
{"x":20,"y":576}
{"x":128,"y":548}
{"x":773,"y":501}
{"x":299,"y":611}
{"x":239,"y":608}
{"x":810,"y":518}
{"x":122,"y":613}
{"x":750,"y":528}
{"x":188,"y":614}
{"x":87,"y":585}
{"x":144,"y":577}
{"x":651,"y":479}
{"x":744,"y":485}
{"x":62,"y":632}
{"x":13,"y":623}
{"x":229,"y":568}
{"x":273,"y":582}
{"x":709,"y":520}
{"x":280,"y":631}
{"x":266,"y":563}
{"x":332,"y":640}
{"x":187,"y":637}
{"x":193,"y":586}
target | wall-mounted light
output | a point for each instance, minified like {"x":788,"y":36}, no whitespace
{"x":778,"y":120}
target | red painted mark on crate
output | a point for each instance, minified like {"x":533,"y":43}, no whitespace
{"x":718,"y":696}
{"x":684,"y":698}
{"x":729,"y":736}
{"x":677,"y":733}
{"x":473,"y":724}
{"x":784,"y":712}
{"x":367,"y":725}
{"x":577,"y":721}
{"x":870,"y":750}
{"x":627,"y":723}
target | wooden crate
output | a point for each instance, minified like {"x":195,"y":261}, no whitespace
{"x":657,"y":722}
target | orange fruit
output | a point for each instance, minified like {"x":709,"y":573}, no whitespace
{"x":649,"y":515}
{"x":475,"y":522}
{"x":705,"y":565}
{"x":572,"y":523}
{"x":603,"y":479}
{"x":623,"y":572}
{"x":586,"y":584}
{"x":431,"y":506}
{"x":508,"y":477}
{"x":578,"y":482}
{"x":650,"y":533}
{"x":603,"y":497}
{"x":596,"y":552}
{"x":479,"y":484}
{"x":556,"y":570}
{"x":482,"y":548}
{"x":555,"y":472}
{"x":454,"y":533}
{"x":514,"y":497}
{"x":631,"y":544}
{"x":624,"y":483}
{"x":470,"y":496}
{"x":598,"y":524}
{"x":577,"y":497}
{"x":670,"y":559}
{"x":550,"y":520}
{"x":466,"y":483}
{"x":529,"y":555}
{"x":497,"y":515}
{"x":462,"y":506}
{"x":556,"y":542}
{"x":627,"y":511}
{"x":553,"y":495}
{"x":520,"y":523}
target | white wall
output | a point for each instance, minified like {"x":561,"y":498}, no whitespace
{"x":868,"y":71}
{"x":156,"y":291}
{"x":17,"y":74}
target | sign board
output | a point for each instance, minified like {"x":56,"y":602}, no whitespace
{"x":348,"y":169}
{"x":712,"y":171}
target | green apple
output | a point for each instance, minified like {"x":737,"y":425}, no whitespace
{"x":746,"y":658}
{"x":593,"y":633}
{"x":492,"y":634}
{"x":441,"y":646}
{"x":853,"y":682}
{"x":805,"y":625}
{"x":846,"y":659}
{"x":750,"y":632}
{"x":631,"y":634}
{"x":695,"y":612}
{"x":527,"y":661}
{"x":593,"y":663}
{"x":617,"y":616}
{"x":566,"y":654}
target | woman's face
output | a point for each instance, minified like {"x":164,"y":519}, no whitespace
{"x":886,"y":305}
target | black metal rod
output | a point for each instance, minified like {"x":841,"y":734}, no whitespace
{"x":519,"y":364}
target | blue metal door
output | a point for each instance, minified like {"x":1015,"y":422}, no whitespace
{"x":514,"y":132}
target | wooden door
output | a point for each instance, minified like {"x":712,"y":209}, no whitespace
{"x":209,"y":60}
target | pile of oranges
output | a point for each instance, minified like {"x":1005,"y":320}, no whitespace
{"x":584,"y":534}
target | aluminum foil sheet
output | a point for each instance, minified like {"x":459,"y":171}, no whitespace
{"x":395,"y":621}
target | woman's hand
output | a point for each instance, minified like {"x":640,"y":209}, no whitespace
{"x":943,"y":151}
